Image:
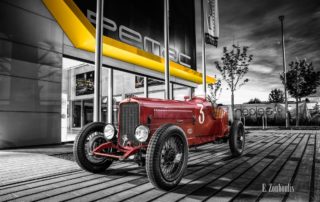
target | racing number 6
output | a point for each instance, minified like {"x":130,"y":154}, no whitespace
{"x":201,"y":115}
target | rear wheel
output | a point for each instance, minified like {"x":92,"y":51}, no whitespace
{"x":237,"y":138}
{"x":167,"y":157}
{"x":90,"y":137}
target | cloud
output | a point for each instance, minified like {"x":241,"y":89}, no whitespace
{"x":255,"y":24}
{"x":261,"y":69}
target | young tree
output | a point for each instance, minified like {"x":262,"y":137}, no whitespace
{"x":276,"y":96}
{"x":214,"y":92}
{"x":302,"y":81}
{"x":234,"y":67}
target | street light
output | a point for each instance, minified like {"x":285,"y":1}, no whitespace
{"x":281,"y":18}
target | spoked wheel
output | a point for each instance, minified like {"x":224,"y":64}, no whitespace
{"x":167,"y":157}
{"x":90,"y":137}
{"x":171,"y":154}
{"x":237,"y":138}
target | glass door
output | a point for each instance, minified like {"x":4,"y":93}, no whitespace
{"x":87,"y":111}
{"x":76,"y":114}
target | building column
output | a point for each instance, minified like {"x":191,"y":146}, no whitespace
{"x":98,"y":62}
{"x":166,"y":50}
{"x":110,"y":95}
{"x":145,"y":87}
{"x":204,"y":70}
{"x":171,"y":91}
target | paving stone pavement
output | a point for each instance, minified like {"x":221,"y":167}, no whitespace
{"x":17,"y":166}
{"x":276,"y":157}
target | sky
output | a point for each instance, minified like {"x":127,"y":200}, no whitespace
{"x":255,"y":24}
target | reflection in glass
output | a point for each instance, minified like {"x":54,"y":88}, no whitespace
{"x":179,"y":92}
{"x":76,"y":114}
{"x":87,"y":111}
{"x":85,"y":83}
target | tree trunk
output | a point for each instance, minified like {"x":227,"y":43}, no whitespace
{"x":297,"y":112}
{"x":232,"y":96}
{"x":232,"y":105}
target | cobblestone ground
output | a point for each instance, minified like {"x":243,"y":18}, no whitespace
{"x":271,"y":157}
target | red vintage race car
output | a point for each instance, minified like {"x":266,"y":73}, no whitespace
{"x":157,"y":133}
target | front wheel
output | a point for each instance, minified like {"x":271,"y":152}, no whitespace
{"x":167,"y":157}
{"x":90,"y":137}
{"x":237,"y":138}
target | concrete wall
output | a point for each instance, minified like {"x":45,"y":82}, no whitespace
{"x":31,"y":45}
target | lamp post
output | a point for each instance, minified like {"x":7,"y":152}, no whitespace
{"x":281,"y":18}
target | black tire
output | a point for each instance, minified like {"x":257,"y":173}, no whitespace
{"x":237,"y":138}
{"x":167,"y":157}
{"x":90,"y":132}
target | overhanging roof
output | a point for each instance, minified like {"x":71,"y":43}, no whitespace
{"x":82,"y":34}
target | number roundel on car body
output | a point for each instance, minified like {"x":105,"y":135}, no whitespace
{"x":201,"y":117}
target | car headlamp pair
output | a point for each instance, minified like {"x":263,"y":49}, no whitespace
{"x":141,"y":132}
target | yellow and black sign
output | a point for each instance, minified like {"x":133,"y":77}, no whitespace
{"x":77,"y":20}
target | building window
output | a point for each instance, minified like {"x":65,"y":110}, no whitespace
{"x":156,"y":88}
{"x":76,"y":114}
{"x":179,"y":92}
{"x":87,"y":111}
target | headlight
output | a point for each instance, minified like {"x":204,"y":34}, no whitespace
{"x":142,"y":133}
{"x":109,"y":131}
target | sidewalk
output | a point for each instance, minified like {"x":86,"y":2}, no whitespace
{"x":17,"y":165}
{"x":47,"y":149}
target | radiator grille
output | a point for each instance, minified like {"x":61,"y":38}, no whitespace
{"x":129,"y":120}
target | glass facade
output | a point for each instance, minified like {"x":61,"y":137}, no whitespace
{"x":77,"y":89}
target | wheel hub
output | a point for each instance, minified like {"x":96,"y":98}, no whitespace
{"x":240,"y":140}
{"x":93,"y":141}
{"x":170,"y":155}
{"x":178,"y":158}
